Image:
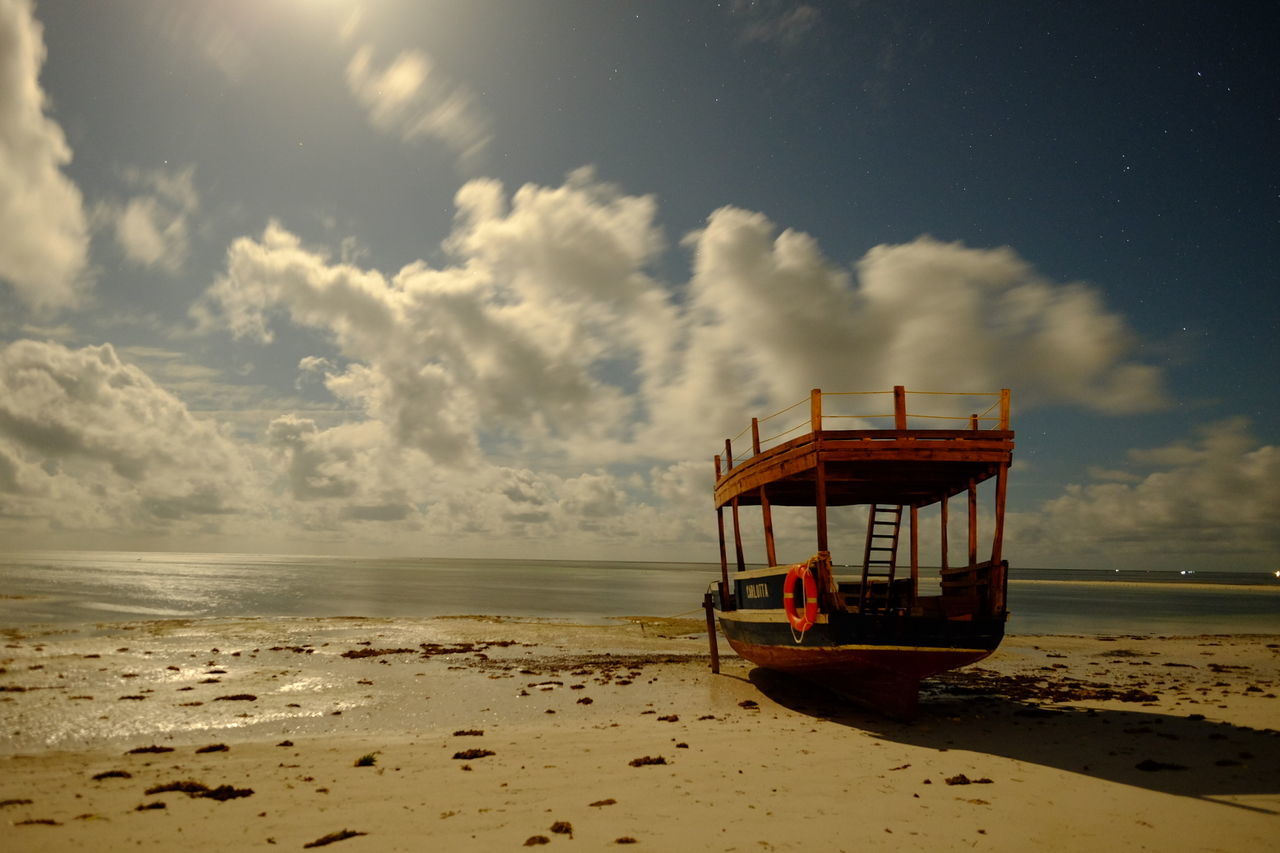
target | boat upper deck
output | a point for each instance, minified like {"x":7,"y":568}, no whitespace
{"x":838,"y":467}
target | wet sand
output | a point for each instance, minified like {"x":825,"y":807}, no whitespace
{"x":485,"y":734}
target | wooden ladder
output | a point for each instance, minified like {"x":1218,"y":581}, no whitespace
{"x":880,"y":559}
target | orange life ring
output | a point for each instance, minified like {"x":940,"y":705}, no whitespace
{"x":800,"y":623}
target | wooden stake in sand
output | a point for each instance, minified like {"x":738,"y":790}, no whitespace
{"x":708,"y":604}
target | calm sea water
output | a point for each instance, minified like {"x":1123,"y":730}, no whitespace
{"x":80,"y":587}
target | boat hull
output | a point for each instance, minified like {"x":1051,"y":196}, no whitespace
{"x":876,"y":661}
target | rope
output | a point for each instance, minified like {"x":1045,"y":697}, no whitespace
{"x":952,"y":417}
{"x":783,"y":411}
{"x":784,"y":432}
{"x":736,"y":459}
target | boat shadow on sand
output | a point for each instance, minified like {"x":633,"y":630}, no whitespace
{"x":1188,"y":755}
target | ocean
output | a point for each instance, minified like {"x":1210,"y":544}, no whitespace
{"x":89,"y":587}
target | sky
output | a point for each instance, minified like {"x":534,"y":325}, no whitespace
{"x":496,"y":279}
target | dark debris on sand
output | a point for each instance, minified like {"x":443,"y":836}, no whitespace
{"x":961,"y":779}
{"x":341,"y":835}
{"x":977,"y":681}
{"x":373,"y":653}
{"x":187,"y":786}
{"x":192,"y":788}
{"x":646,"y":760}
{"x":468,"y":754}
{"x":222,"y":793}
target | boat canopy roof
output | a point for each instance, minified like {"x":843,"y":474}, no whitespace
{"x":901,"y":466}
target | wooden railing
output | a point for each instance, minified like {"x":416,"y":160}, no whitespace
{"x":771,"y":430}
{"x":977,"y":589}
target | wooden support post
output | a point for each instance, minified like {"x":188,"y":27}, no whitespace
{"x":709,"y":606}
{"x":1004,"y":408}
{"x":944,"y":533}
{"x":767,"y":516}
{"x":737,"y":538}
{"x":973,"y":523}
{"x":737,"y":529}
{"x":899,"y":407}
{"x":1002,"y":487}
{"x":915,"y":554}
{"x":820,"y":501}
{"x":724,"y":555}
{"x":820,"y":471}
{"x":766,"y":513}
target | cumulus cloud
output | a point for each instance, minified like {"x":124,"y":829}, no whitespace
{"x":543,"y":384}
{"x":414,"y":100}
{"x":770,"y":316}
{"x":1215,"y":498}
{"x":92,"y":443}
{"x":548,"y":332}
{"x":153,"y":228}
{"x":548,"y":297}
{"x":44,"y":238}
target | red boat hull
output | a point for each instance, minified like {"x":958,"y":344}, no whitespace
{"x":883,"y":678}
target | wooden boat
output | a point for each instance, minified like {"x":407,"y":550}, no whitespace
{"x":870,"y":634}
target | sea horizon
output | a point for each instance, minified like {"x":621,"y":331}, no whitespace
{"x":1220,"y":575}
{"x":83,"y":587}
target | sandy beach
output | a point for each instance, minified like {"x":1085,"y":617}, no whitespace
{"x":489,"y":734}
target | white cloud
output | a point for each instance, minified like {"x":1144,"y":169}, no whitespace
{"x":548,"y":292}
{"x":543,"y":385}
{"x":548,"y":331}
{"x":951,"y":316}
{"x":412,"y":99}
{"x":770,"y":316}
{"x":44,"y":238}
{"x":90,"y":443}
{"x":1214,"y":501}
{"x":153,"y":229}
